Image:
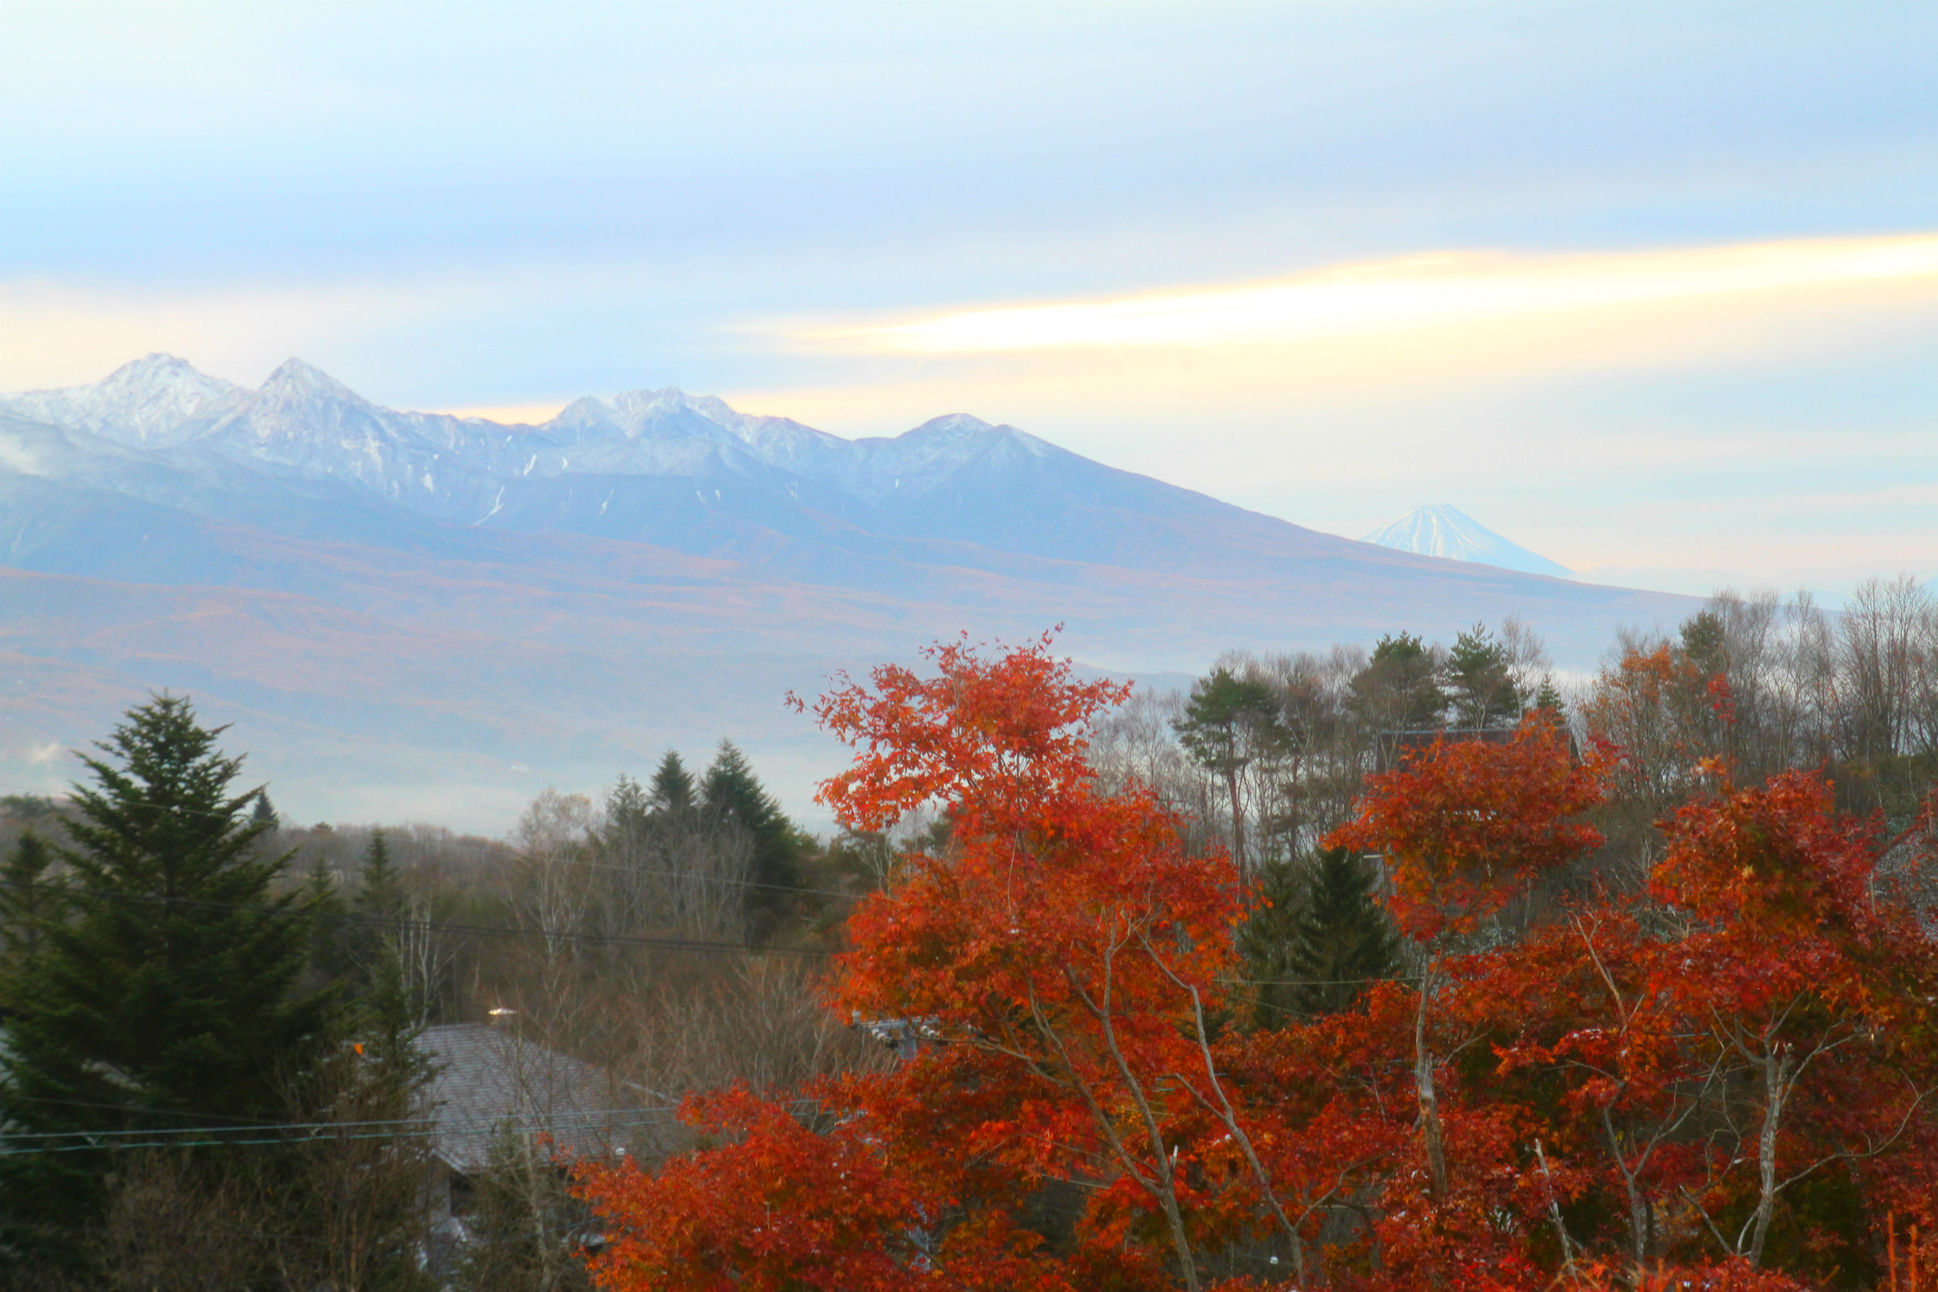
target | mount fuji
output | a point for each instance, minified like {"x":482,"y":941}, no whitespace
{"x":1451,"y":533}
{"x":404,"y":612}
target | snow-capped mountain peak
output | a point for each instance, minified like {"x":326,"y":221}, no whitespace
{"x":144,"y":402}
{"x":1448,"y":532}
{"x":295,"y":380}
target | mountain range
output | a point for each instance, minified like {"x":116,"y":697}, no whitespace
{"x":418,"y":615}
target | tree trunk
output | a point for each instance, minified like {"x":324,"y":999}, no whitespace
{"x":1237,"y":823}
{"x":1423,"y":1062}
{"x":1776,"y":1090}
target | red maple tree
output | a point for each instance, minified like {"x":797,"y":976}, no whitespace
{"x":1724,"y":1081}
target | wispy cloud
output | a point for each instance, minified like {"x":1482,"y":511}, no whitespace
{"x":1419,"y":293}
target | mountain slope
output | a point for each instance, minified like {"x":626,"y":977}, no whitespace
{"x":1449,"y":532}
{"x":395,"y":603}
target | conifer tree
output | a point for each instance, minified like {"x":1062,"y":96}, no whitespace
{"x":672,"y":790}
{"x":1342,"y":940}
{"x":332,"y":953}
{"x":27,"y":902}
{"x":352,"y":932}
{"x":1548,"y":699}
{"x":379,"y":903}
{"x":1266,"y":940}
{"x":732,"y":796}
{"x":170,"y":993}
{"x":1229,"y":723}
{"x":1399,"y":689}
{"x":367,"y":1188}
{"x":1479,"y":682}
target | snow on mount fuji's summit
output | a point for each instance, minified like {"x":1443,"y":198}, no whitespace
{"x":1448,"y":532}
{"x":146,"y":402}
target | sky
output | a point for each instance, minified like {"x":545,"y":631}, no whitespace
{"x":1649,"y":288}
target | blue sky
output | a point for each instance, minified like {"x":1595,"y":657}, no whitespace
{"x":1650,"y":288}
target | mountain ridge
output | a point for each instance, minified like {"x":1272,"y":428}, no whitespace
{"x":654,"y":568}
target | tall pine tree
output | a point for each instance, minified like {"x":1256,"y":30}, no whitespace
{"x":167,"y":995}
{"x":1229,"y":723}
{"x":1480,"y":681}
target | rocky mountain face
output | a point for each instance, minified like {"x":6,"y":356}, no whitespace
{"x":397,"y":602}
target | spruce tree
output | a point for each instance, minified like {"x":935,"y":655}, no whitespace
{"x":671,"y":794}
{"x":168,"y":995}
{"x":331,"y":933}
{"x":732,"y":796}
{"x":28,"y":901}
{"x":1342,"y":940}
{"x":1266,"y":941}
{"x":377,"y":910}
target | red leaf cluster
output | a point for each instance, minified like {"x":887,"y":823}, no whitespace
{"x":1725,"y":1080}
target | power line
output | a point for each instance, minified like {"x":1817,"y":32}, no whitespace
{"x":564,"y":1122}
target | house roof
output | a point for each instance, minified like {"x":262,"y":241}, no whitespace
{"x":489,"y":1080}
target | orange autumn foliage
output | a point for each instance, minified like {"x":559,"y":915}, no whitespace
{"x":1464,"y":825}
{"x":1725,"y":1082}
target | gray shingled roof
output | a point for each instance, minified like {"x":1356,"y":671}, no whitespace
{"x":489,"y":1079}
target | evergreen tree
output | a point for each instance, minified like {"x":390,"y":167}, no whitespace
{"x":169,"y":994}
{"x":376,"y":913}
{"x":1548,"y":699}
{"x":265,"y":812}
{"x":28,"y":901}
{"x":672,"y":792}
{"x":332,"y":936}
{"x":1399,"y":689}
{"x":732,"y":796}
{"x":1229,"y":723}
{"x":1342,"y":939}
{"x":1266,"y":941}
{"x":361,"y":1194}
{"x":380,"y":900}
{"x":1479,"y":681}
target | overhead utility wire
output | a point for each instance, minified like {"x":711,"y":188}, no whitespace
{"x":121,"y":1140}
